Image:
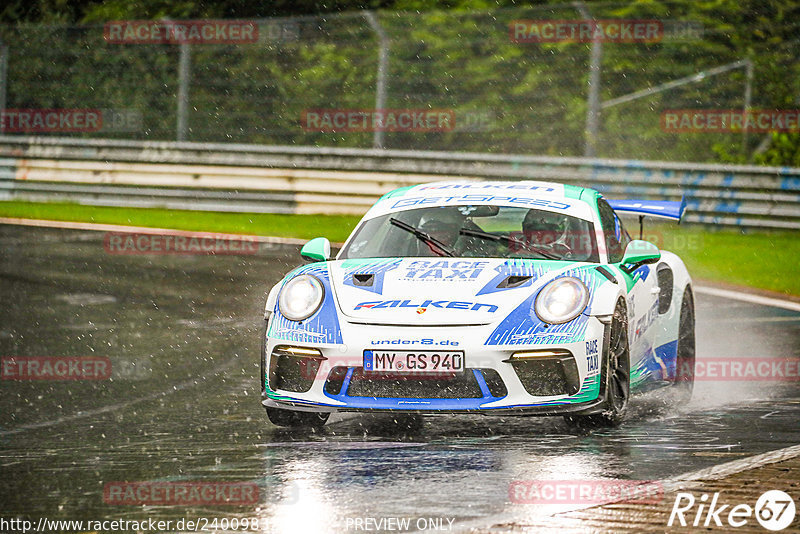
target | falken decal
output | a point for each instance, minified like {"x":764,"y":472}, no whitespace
{"x":474,"y":186}
{"x":642,"y":324}
{"x":442,"y":304}
{"x":477,"y":199}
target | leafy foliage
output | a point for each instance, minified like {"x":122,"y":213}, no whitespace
{"x":457,"y":55}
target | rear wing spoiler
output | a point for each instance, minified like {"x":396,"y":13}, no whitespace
{"x":666,"y":209}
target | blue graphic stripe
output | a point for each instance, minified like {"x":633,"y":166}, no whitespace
{"x":515,"y":268}
{"x":415,"y":403}
{"x":322,"y":327}
{"x":523,"y":327}
{"x":588,"y":392}
{"x":660,"y":208}
{"x":378,"y":267}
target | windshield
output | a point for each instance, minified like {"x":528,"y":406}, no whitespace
{"x":475,"y":232}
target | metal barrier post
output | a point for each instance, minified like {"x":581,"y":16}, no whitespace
{"x":383,"y":68}
{"x":184,"y":73}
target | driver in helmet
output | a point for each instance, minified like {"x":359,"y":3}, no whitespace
{"x":545,"y":229}
{"x":445,"y":232}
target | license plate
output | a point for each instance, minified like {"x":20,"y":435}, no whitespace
{"x":413,"y":362}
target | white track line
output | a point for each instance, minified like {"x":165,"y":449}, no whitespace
{"x":748,"y":297}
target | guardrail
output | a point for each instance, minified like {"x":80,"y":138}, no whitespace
{"x":280,"y":179}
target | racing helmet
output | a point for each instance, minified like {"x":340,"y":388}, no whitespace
{"x":441,"y":230}
{"x":543,"y":227}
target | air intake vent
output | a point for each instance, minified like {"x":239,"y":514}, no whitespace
{"x":363,"y":280}
{"x":513,"y":281}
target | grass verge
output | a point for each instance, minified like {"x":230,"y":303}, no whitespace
{"x":763,"y":260}
{"x":334,"y":227}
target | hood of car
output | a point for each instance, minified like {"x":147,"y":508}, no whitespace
{"x":435,"y":291}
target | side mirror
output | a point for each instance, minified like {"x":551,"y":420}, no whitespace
{"x":639,"y":253}
{"x":318,"y":249}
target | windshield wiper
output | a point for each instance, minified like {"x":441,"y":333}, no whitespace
{"x":422,"y":236}
{"x":510,"y":240}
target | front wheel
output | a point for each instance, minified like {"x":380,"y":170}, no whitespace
{"x":615,"y":385}
{"x":295,"y":419}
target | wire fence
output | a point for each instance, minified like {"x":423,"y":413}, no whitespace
{"x":502,"y":81}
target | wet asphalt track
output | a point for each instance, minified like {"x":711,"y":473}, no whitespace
{"x":183,"y":404}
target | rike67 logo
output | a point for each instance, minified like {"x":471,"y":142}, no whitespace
{"x":774,"y":510}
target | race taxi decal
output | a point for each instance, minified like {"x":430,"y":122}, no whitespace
{"x":593,"y":356}
{"x":443,"y":270}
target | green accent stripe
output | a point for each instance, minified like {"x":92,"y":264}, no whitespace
{"x":396,"y":192}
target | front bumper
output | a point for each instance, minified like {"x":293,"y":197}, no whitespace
{"x":492,"y":382}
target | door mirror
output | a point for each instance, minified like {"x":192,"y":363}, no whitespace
{"x":318,"y":249}
{"x":639,"y":253}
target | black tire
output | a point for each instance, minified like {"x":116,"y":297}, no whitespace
{"x":616,"y":375}
{"x":294,"y":419}
{"x":684,"y":371}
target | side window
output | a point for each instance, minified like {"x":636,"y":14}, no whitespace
{"x":615,"y":235}
{"x":624,"y":236}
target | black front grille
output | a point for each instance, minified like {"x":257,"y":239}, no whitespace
{"x":333,"y":386}
{"x":290,"y":372}
{"x":546,"y":376}
{"x":495,"y":384}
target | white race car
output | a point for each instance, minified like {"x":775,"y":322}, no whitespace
{"x":481,"y":297}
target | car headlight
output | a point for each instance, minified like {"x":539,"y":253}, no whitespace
{"x":561,"y":300}
{"x":301,"y":297}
